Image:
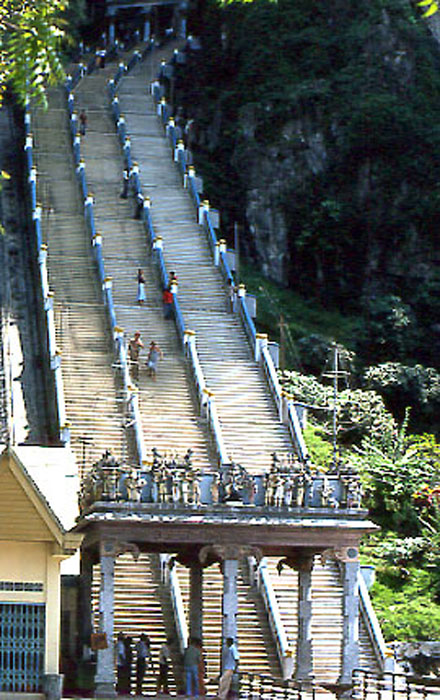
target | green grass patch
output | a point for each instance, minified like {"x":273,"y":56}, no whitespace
{"x":403,"y":602}
{"x":301,"y":316}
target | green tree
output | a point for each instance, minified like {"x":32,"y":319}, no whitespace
{"x":31,"y":35}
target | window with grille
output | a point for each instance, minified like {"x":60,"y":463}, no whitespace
{"x":22,"y":633}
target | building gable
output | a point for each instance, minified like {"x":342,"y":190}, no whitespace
{"x":22,"y":517}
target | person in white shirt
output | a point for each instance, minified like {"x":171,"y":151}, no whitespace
{"x":231,"y":658}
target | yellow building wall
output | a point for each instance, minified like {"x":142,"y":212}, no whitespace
{"x":35,"y":563}
{"x":27,"y":548}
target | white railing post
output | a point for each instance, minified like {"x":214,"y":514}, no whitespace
{"x":284,"y":407}
{"x":203,"y":208}
{"x":260,"y":343}
{"x":180,"y":146}
{"x":42,"y":261}
{"x":191,"y":172}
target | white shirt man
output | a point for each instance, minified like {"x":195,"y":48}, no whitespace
{"x":231,"y":658}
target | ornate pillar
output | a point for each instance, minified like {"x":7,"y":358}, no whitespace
{"x":229,"y":599}
{"x":228,"y":556}
{"x":304,"y":647}
{"x":349,"y":556}
{"x":85,"y":601}
{"x":105,"y":681}
{"x":196,"y":599}
{"x":303,"y":564}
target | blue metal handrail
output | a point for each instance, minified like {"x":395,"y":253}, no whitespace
{"x":164,"y":277}
{"x":131,"y":397}
{"x":55,"y":358}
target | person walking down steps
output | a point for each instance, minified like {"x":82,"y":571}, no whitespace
{"x":135,"y":346}
{"x":141,"y":287}
{"x":154,"y":355}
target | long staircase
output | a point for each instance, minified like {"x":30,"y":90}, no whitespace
{"x":326,"y":617}
{"x":142,"y":605}
{"x":250,"y":425}
{"x":168,"y":412}
{"x":169,"y":416}
{"x":92,"y":397}
{"x":256,"y":645}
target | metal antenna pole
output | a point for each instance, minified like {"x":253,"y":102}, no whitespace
{"x":335,"y":398}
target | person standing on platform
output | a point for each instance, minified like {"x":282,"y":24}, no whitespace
{"x":141,"y":287}
{"x":164,"y":661}
{"x":191,"y":660}
{"x":231,"y":658}
{"x":143,"y":660}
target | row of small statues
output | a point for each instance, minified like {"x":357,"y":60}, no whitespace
{"x":291,"y":486}
{"x":170,"y":480}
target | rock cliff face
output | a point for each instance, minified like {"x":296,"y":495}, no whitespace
{"x":325,"y":121}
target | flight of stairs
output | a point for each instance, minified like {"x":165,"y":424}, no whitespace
{"x":247,"y":414}
{"x":169,"y":415}
{"x":255,"y":642}
{"x":142,"y":605}
{"x":326,"y":617}
{"x":93,"y":402}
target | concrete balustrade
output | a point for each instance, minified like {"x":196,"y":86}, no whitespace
{"x":265,"y":587}
{"x":219,"y":251}
{"x":42,"y":262}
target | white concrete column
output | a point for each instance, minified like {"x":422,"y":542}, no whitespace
{"x":350,"y":625}
{"x":304,"y":650}
{"x":105,"y":679}
{"x":53,"y":607}
{"x":229,"y":601}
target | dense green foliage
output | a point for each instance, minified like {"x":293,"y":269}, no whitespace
{"x":32,"y":39}
{"x":343,"y":96}
{"x":401,"y":480}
